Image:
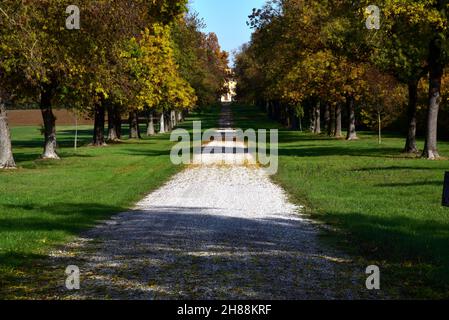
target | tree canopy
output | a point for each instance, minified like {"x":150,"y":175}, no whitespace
{"x":309,"y":56}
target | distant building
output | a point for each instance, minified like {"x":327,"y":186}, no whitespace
{"x":230,"y":87}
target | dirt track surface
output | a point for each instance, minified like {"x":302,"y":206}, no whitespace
{"x":34,"y":118}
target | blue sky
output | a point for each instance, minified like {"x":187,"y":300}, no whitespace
{"x":227,"y":18}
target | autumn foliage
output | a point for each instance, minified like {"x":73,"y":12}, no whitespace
{"x":309,"y":62}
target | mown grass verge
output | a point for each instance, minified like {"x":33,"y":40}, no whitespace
{"x":386,"y":205}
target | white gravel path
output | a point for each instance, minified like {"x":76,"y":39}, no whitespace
{"x":212,"y":232}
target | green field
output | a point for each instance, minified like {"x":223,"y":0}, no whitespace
{"x":47,"y":203}
{"x":386,"y":206}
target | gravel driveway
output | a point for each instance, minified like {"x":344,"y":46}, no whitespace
{"x":212,"y":232}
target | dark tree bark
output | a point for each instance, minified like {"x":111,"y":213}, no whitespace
{"x":352,"y":134}
{"x":6,"y":155}
{"x":118,"y":122}
{"x":113,"y":135}
{"x":98,"y":137}
{"x":134,"y":130}
{"x":276,"y":111}
{"x":327,"y":118}
{"x":331,"y":125}
{"x":49,"y":124}
{"x":294,"y":120}
{"x":436,"y":69}
{"x":168,"y":123}
{"x":269,"y":110}
{"x":338,"y":119}
{"x":150,"y":124}
{"x":410,"y":144}
{"x":317,"y":125}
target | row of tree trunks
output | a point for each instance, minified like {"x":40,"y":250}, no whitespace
{"x":332,"y":118}
{"x":50,"y":143}
{"x":6,"y":155}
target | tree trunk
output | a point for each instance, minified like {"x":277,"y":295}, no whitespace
{"x":270,"y":110}
{"x":331,"y":126}
{"x":134,"y":130}
{"x":173,"y":119}
{"x":352,"y":134}
{"x":167,"y":123}
{"x":277,"y":111}
{"x":150,"y":124}
{"x":118,"y":122}
{"x":312,"y":119}
{"x":317,"y":111}
{"x":162,"y":123}
{"x":49,"y":125}
{"x":113,"y":135}
{"x":327,"y":118}
{"x":338,"y":118}
{"x":379,"y":122}
{"x":294,"y":120}
{"x":410,"y":144}
{"x":436,"y":73}
{"x":98,"y":138}
{"x":6,"y":156}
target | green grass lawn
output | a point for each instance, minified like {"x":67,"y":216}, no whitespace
{"x":47,"y":203}
{"x":387,"y":206}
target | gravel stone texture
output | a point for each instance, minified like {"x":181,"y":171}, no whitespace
{"x":212,"y":232}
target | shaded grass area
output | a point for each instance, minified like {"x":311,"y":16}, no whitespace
{"x":387,"y":205}
{"x":47,"y":203}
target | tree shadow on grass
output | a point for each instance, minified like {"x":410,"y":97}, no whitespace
{"x":395,"y":168}
{"x":67,"y":218}
{"x":146,"y":153}
{"x":411,"y":184}
{"x":328,"y":151}
{"x":417,"y":249}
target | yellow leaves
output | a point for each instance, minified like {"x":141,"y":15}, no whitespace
{"x":100,"y":91}
{"x":153,"y":63}
{"x":416,"y":12}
